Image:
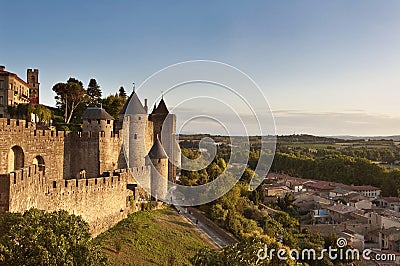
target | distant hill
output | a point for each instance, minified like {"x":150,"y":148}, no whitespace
{"x":300,"y":137}
{"x":394,"y":137}
{"x":308,"y":138}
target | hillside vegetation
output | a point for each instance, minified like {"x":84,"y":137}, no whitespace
{"x":159,"y":237}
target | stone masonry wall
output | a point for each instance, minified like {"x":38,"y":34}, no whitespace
{"x":95,"y":152}
{"x":45,"y":143}
{"x":102,"y":202}
{"x":82,"y":152}
{"x":111,"y":154}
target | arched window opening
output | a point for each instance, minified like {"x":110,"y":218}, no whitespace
{"x":15,"y":158}
{"x":39,"y":162}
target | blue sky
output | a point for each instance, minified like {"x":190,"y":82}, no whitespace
{"x":326,"y":67}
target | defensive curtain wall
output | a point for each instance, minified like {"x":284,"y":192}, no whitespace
{"x":38,"y":169}
{"x":22,"y":145}
{"x":61,"y":155}
{"x":101,"y":201}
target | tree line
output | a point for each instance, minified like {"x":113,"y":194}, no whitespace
{"x":387,"y":152}
{"x":73,"y":98}
{"x":339,"y":168}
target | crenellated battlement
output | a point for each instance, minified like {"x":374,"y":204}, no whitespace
{"x":71,"y":186}
{"x":19,"y":126}
{"x":93,"y":135}
{"x":26,"y":176}
{"x":48,"y":133}
{"x":29,"y":70}
{"x":22,"y":179}
{"x":140,"y":171}
{"x":14,"y":124}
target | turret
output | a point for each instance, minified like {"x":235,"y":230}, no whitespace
{"x":159,"y":170}
{"x":165,"y":126}
{"x":97,"y":120}
{"x":135,"y":120}
{"x":161,"y":108}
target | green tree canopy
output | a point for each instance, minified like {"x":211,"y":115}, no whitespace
{"x":243,"y":253}
{"x":46,"y":238}
{"x":24,"y":111}
{"x":113,"y":104}
{"x":94,"y":92}
{"x":69,"y":96}
{"x":122,"y":92}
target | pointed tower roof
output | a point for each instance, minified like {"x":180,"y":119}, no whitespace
{"x":154,"y":109}
{"x":96,"y":113}
{"x":157,"y":151}
{"x":123,"y":110}
{"x":133,"y":106}
{"x":162,"y":108}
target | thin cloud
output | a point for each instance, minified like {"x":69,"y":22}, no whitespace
{"x":356,"y":122}
{"x":333,"y":123}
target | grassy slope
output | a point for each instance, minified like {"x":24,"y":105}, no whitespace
{"x":157,"y":237}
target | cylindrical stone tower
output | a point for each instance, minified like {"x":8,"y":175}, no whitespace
{"x":165,"y":126}
{"x":97,"y":120}
{"x":159,"y":170}
{"x":137,"y":130}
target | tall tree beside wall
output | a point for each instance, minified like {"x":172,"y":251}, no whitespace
{"x":69,"y":96}
{"x":122,"y":92}
{"x":94,"y":92}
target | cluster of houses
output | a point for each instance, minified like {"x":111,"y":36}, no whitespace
{"x":358,"y":213}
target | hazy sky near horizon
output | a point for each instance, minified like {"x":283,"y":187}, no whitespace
{"x":326,"y":67}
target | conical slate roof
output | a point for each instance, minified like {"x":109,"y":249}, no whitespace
{"x":162,"y":108}
{"x":154,"y":109}
{"x":123,"y":110}
{"x":133,"y":106}
{"x":96,"y":113}
{"x":157,"y":151}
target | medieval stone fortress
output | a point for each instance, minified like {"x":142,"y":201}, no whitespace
{"x":92,"y":173}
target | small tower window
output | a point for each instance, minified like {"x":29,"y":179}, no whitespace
{"x":135,"y":136}
{"x":98,"y":121}
{"x":108,"y":122}
{"x":140,"y":118}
